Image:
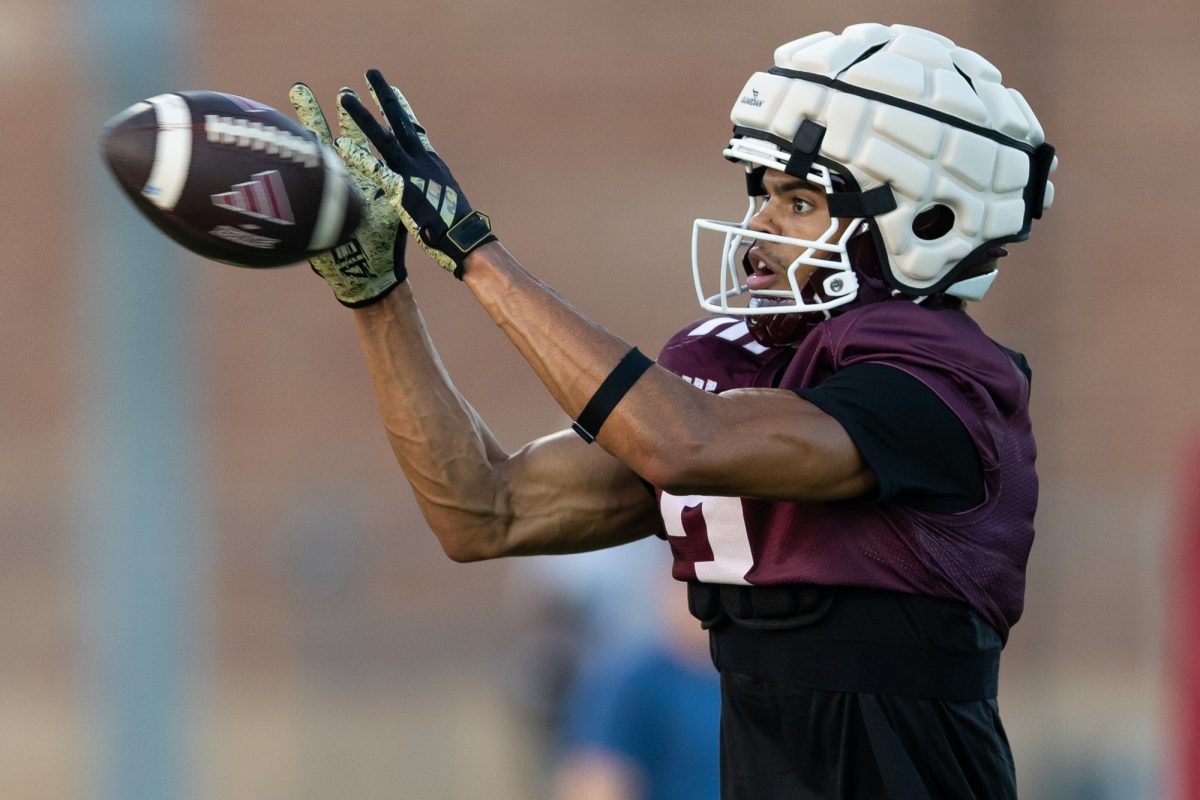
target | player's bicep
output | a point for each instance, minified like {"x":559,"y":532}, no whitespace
{"x":774,"y":445}
{"x":564,"y":496}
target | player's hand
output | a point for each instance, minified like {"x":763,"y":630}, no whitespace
{"x":432,"y":205}
{"x":366,"y":267}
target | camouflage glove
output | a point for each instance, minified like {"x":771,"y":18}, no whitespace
{"x":432,"y":205}
{"x":363,"y":269}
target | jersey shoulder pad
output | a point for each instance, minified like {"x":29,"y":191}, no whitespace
{"x":716,"y":353}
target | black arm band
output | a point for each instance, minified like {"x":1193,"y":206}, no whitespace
{"x":614,"y":387}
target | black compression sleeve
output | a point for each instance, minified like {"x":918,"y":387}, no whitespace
{"x":919,"y":450}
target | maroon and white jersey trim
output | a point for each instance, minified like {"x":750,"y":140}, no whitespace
{"x":735,"y":330}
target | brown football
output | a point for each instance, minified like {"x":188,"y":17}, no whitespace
{"x":230,"y":178}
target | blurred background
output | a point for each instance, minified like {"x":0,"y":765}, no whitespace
{"x":214,"y":582}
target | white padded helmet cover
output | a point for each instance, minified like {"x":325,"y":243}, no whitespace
{"x":904,"y":107}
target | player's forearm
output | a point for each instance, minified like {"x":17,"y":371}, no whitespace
{"x":444,"y":448}
{"x":573,"y":355}
{"x":569,"y":353}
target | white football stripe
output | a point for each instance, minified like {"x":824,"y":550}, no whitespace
{"x":708,"y":325}
{"x":332,"y":212}
{"x":735,"y":332}
{"x":172,"y":151}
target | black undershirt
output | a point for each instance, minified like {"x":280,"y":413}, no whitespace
{"x":919,"y":450}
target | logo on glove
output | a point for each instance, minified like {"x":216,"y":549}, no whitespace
{"x":351,"y":260}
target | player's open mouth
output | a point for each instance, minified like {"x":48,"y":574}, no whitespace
{"x":759,"y":274}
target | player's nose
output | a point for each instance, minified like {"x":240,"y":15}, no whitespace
{"x":763,"y":220}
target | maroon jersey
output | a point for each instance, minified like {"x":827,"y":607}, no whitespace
{"x":977,"y":556}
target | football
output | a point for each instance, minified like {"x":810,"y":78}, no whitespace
{"x":231,"y":179}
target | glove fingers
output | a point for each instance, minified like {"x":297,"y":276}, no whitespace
{"x":412,"y":118}
{"x":347,"y":128}
{"x":384,"y":140}
{"x":399,"y":114}
{"x":308,"y":112}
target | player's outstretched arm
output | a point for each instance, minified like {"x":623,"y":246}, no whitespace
{"x":480,"y":501}
{"x":555,"y":495}
{"x":765,"y":443}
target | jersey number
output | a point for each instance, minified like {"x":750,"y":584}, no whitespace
{"x":720,"y":521}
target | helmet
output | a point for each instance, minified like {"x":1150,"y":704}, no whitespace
{"x":914,"y":140}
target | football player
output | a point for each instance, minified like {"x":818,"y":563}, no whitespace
{"x":839,"y":458}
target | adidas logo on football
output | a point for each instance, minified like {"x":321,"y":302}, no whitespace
{"x":261,"y":197}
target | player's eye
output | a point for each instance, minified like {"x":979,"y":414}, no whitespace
{"x":802,"y":206}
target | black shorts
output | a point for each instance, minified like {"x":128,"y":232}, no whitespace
{"x":884,"y":696}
